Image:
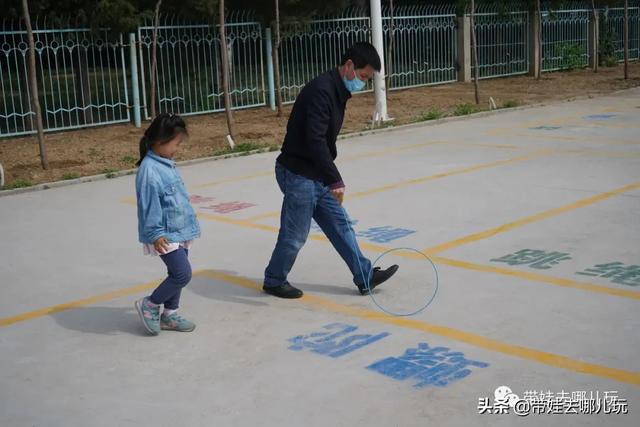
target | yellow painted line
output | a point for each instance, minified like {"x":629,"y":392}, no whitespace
{"x":606,"y":124}
{"x":76,"y":304}
{"x":346,"y":158}
{"x":526,"y":275}
{"x":422,"y":145}
{"x":385,"y":151}
{"x":239,"y":222}
{"x":502,"y":146}
{"x":537,"y":277}
{"x":550,"y":137}
{"x":601,"y":140}
{"x":365,"y":155}
{"x":528,"y":220}
{"x":453,"y":172}
{"x":232,"y":180}
{"x":512,"y":134}
{"x":130,"y":200}
{"x":421,"y":180}
{"x":546,"y":358}
{"x":530,"y":276}
{"x":600,"y":153}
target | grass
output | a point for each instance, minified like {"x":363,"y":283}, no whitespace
{"x":129,"y":159}
{"x":383,"y":125}
{"x":433,"y":114}
{"x":465,"y":110}
{"x":110,"y":173}
{"x":510,"y":104}
{"x":239,"y":148}
{"x":18,"y":183}
{"x":70,"y":175}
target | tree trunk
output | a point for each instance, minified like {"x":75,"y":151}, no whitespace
{"x":33,"y":84}
{"x":539,"y":7}
{"x":596,"y":39}
{"x":225,"y":72}
{"x":276,"y":60}
{"x":626,"y":39}
{"x":154,"y":61}
{"x":474,"y":52}
{"x":389,"y":68}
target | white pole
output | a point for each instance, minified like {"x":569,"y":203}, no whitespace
{"x":378,"y":80}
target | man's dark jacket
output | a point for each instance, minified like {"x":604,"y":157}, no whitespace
{"x":309,"y":147}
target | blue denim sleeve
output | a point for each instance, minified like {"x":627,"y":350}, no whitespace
{"x":150,"y":217}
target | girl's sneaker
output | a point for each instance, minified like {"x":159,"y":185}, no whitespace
{"x":175,"y":322}
{"x":149,"y":314}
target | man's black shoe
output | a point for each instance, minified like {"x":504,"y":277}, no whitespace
{"x":379,"y":277}
{"x":283,"y":291}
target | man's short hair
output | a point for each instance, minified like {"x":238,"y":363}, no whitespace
{"x":362,"y":54}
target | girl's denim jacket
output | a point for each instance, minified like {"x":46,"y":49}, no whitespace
{"x":164,"y":209}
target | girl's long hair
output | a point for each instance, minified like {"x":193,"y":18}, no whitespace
{"x":164,"y":128}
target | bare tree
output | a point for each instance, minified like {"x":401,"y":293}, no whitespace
{"x":539,"y":68}
{"x":225,"y":71}
{"x":33,"y":85}
{"x":596,"y":38}
{"x":626,"y":39}
{"x":275,"y":53}
{"x":154,"y":62}
{"x":474,"y":52}
{"x":389,"y":67}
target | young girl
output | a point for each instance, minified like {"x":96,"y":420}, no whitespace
{"x":167,"y":223}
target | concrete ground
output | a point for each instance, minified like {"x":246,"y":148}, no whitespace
{"x":530,"y":216}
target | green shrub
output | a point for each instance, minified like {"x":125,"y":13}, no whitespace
{"x":465,"y":109}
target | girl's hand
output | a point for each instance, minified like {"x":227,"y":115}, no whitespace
{"x":161,"y":245}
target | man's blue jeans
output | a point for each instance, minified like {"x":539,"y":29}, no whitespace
{"x":305,"y":199}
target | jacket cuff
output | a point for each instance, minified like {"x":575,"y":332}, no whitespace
{"x":339,"y":184}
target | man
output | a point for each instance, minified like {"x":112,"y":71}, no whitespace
{"x":309,"y":178}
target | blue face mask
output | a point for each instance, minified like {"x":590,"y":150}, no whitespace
{"x":354,"y":85}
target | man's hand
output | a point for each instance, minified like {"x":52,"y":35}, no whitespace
{"x":338,"y":193}
{"x":161,"y":245}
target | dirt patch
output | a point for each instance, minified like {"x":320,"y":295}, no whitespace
{"x":55,"y":164}
{"x":112,"y":148}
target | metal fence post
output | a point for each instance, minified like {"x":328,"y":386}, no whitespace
{"x":268,"y":43}
{"x":464,"y":49}
{"x":135,"y":87}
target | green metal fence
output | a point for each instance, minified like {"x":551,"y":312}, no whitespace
{"x":565,"y":39}
{"x":424,"y":45}
{"x":616,"y":19}
{"x":503,"y":42}
{"x":189,"y":67}
{"x":308,"y":49}
{"x":82,"y":78}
